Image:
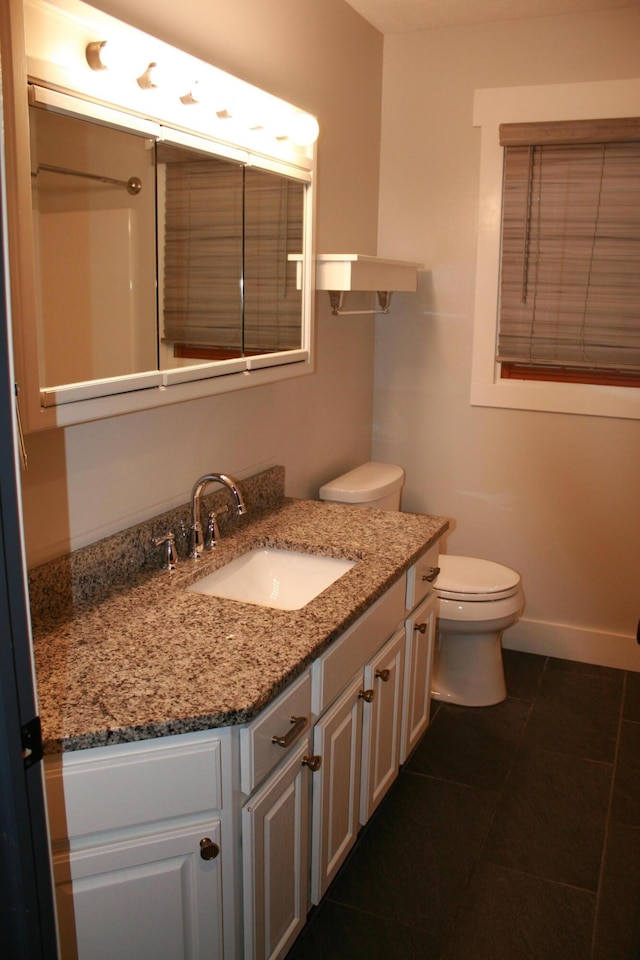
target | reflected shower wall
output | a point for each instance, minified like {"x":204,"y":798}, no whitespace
{"x":95,"y":249}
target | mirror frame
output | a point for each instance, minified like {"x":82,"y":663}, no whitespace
{"x":58,"y":88}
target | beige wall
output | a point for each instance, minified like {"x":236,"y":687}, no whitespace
{"x":88,"y":481}
{"x":553,"y":495}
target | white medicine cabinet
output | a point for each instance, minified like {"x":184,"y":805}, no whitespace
{"x":161,"y":221}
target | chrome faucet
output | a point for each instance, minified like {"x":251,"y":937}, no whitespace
{"x":197,"y":538}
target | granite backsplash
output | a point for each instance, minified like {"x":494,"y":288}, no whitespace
{"x":92,"y":572}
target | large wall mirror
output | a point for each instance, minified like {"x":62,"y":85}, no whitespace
{"x":118,"y":216}
{"x":168,"y":262}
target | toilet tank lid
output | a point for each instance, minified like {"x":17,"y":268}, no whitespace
{"x":366,"y":482}
{"x":471,"y":575}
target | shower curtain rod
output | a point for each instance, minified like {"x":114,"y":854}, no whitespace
{"x":133,"y":184}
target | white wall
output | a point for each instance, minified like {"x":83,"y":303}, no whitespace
{"x":555,"y":496}
{"x":91,"y":480}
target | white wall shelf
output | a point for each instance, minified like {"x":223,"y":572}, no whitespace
{"x":353,"y":271}
{"x":340,"y":273}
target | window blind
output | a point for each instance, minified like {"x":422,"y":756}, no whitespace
{"x":203,"y":253}
{"x":570,"y":262}
{"x":228,"y":282}
{"x":273,"y":226}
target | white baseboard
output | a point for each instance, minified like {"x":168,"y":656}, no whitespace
{"x":574,"y":643}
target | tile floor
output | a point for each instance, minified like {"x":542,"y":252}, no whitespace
{"x":512,"y":832}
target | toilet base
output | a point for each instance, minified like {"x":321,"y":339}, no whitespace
{"x":468,"y":669}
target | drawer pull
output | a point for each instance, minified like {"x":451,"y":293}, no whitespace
{"x":421,"y":627}
{"x":366,"y":695}
{"x":314,"y":762}
{"x":298,"y":725}
{"x":431,"y":576}
{"x":208,"y":849}
{"x":383,"y":674}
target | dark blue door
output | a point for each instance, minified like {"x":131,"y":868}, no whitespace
{"x":27,"y":926}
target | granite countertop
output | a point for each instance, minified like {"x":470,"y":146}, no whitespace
{"x":151,"y":659}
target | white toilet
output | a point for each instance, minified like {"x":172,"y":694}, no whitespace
{"x":478,"y":599}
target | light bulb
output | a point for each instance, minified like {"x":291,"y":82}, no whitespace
{"x":303,"y":130}
{"x":119,"y":57}
{"x":208,"y":93}
{"x":168,"y":77}
{"x":243,"y":108}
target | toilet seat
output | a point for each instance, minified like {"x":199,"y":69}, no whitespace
{"x":472,"y":579}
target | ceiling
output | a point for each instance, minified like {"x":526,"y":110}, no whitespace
{"x":402,"y":16}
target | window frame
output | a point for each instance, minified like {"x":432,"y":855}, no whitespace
{"x":571,"y":101}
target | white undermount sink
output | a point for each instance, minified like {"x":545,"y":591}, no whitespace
{"x":282,"y":579}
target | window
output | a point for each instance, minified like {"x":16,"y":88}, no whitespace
{"x":494,"y":354}
{"x":570,"y":260}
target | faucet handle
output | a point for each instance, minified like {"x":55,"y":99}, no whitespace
{"x":213,"y":530}
{"x":170,"y":553}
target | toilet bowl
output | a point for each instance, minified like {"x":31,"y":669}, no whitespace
{"x":477,"y":599}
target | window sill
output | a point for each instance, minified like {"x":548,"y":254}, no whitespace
{"x":578,"y":398}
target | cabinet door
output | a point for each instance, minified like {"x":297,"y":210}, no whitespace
{"x":382,"y":722}
{"x":275,"y":841}
{"x":420,"y":640}
{"x":337,"y":739}
{"x":146,"y":896}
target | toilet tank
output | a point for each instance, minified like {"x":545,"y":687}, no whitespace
{"x":369,"y":485}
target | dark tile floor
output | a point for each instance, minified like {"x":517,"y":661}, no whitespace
{"x":512,"y":832}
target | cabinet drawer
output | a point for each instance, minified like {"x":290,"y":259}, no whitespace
{"x":420,"y":579}
{"x":109,"y":788}
{"x":331,"y":671}
{"x":258,"y":752}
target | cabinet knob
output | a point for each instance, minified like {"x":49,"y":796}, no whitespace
{"x":366,"y":695}
{"x":421,"y":627}
{"x":383,"y":674}
{"x":208,"y":849}
{"x":314,"y":762}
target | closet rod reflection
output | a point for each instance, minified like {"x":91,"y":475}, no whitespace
{"x":133,"y":184}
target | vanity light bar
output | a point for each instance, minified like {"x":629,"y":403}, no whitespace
{"x":301,"y":129}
